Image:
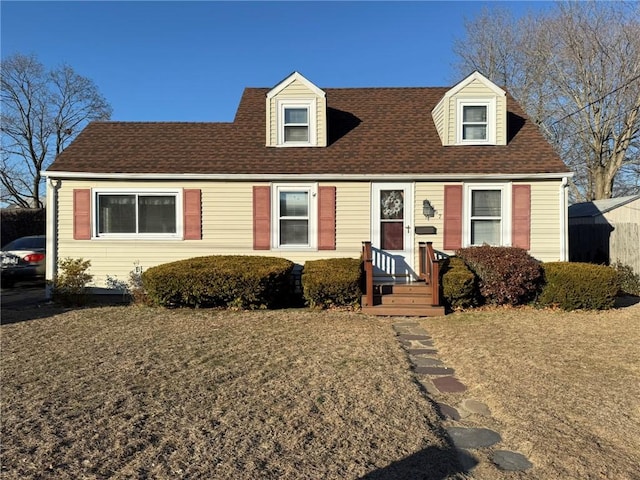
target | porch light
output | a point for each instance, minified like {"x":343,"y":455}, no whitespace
{"x":427,"y":209}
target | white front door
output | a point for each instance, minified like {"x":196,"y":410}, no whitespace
{"x":392,"y":232}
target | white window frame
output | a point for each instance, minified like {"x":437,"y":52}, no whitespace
{"x":311,"y":107}
{"x":312,"y":190}
{"x":177,"y":193}
{"x":490,"y":104}
{"x":505,"y":211}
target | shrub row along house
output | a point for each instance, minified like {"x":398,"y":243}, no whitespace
{"x":306,"y":173}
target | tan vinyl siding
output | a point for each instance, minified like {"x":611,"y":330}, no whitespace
{"x":438,"y":119}
{"x":545,"y":220}
{"x":545,"y":217}
{"x":227,"y":228}
{"x":434,"y":192}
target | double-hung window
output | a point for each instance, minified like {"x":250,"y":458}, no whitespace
{"x":138,"y":214}
{"x":488,"y":215}
{"x":295,"y":209}
{"x":476,"y":120}
{"x":296,"y":123}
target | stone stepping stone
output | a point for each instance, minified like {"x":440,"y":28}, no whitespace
{"x":473,"y":437}
{"x":449,"y":385}
{"x":406,"y":336}
{"x":426,"y":362}
{"x":416,"y":343}
{"x":473,"y":406}
{"x":434,"y":370}
{"x":422,"y":351}
{"x":428,"y":386}
{"x":448,"y":412}
{"x":511,"y":461}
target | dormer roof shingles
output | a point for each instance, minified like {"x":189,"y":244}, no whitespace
{"x":372,"y":131}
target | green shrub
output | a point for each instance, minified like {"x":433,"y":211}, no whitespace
{"x":459,"y":286}
{"x":507,"y":275}
{"x":578,"y":285}
{"x":332,"y":282}
{"x":220,"y":281}
{"x":69,"y":286}
{"x":628,"y":279}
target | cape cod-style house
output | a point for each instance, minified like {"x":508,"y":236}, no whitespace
{"x":308,"y":173}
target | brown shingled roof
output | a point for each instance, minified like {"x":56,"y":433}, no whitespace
{"x":371,"y":131}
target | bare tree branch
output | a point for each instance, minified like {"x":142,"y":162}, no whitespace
{"x":42,"y":112}
{"x":576,"y":71}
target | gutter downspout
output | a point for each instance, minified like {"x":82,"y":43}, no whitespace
{"x":564,"y":222}
{"x":52,"y":235}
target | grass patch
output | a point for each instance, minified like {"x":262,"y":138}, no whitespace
{"x":562,"y":386}
{"x":128,"y":392}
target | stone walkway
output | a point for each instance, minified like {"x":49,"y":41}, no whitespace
{"x":438,"y":380}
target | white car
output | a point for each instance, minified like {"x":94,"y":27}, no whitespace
{"x":23,"y":259}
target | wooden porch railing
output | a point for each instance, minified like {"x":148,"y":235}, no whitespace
{"x":429,"y":269}
{"x":367,"y":258}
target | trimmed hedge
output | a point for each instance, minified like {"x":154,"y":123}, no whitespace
{"x":238,"y":281}
{"x":579,"y":285}
{"x":459,"y":286}
{"x":507,"y":275}
{"x":332,"y":282}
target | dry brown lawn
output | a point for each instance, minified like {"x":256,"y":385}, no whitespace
{"x":563,"y":388}
{"x":127,"y":392}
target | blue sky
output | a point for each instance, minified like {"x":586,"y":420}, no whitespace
{"x":189,"y":61}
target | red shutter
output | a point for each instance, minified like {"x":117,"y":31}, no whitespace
{"x":82,"y":214}
{"x":521,"y":213}
{"x":192,"y":210}
{"x":326,"y":218}
{"x":261,"y":218}
{"x":452,"y":217}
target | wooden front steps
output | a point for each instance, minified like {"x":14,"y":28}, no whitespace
{"x":412,"y":299}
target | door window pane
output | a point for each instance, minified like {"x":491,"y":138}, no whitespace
{"x":392,"y":235}
{"x":391,"y":204}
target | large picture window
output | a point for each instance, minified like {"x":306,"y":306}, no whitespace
{"x":295,"y":216}
{"x":137,"y":214}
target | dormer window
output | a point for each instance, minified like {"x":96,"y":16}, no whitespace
{"x":296,"y":122}
{"x":474,"y":122}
